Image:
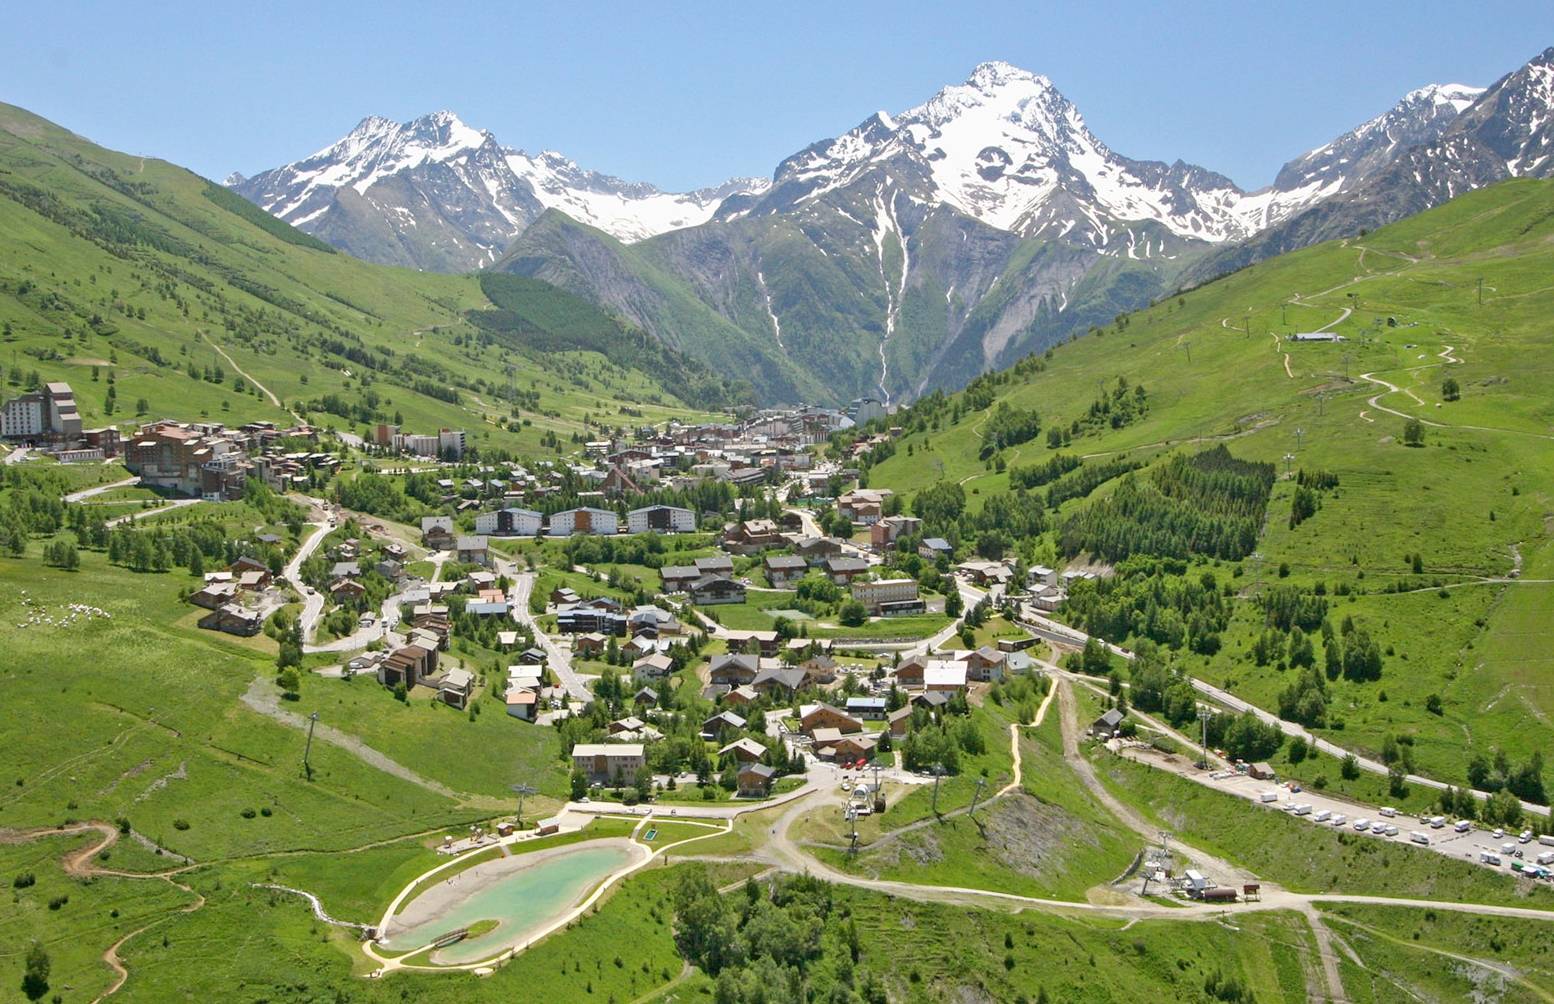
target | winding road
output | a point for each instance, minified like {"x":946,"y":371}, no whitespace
{"x":312,"y":600}
{"x":86,"y":493}
{"x":557,"y":658}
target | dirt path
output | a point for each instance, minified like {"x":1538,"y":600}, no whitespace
{"x":262,"y":697}
{"x":240,"y":371}
{"x":1130,"y":817}
{"x":147,"y":513}
{"x":1226,"y":437}
{"x":79,"y":865}
{"x":1502,"y":969}
{"x":1325,"y":954}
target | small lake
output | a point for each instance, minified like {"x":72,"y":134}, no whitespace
{"x":523,"y":901}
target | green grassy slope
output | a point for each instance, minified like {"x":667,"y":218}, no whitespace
{"x":121,"y":265}
{"x":1473,"y":502}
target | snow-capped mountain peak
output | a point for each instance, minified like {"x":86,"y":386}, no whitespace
{"x":1457,"y":96}
{"x":1008,"y":148}
{"x":1422,"y":116}
{"x":438,"y":172}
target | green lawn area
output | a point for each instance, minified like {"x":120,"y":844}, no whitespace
{"x":1410,"y":943}
{"x":934,"y":952}
{"x":1052,"y":839}
{"x":996,"y":628}
{"x":623,"y":949}
{"x":907,"y":627}
{"x":484,"y":756}
{"x":1471,"y":502}
{"x":158,"y":732}
{"x":87,"y":917}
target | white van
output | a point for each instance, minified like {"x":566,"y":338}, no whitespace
{"x":1420,"y":837}
{"x":1362,"y":824}
{"x":1269,"y":796}
{"x":1463,"y":826}
{"x":1547,"y":840}
{"x":1489,"y":858}
{"x":1340,"y":819}
{"x":1388,"y":811}
{"x":1322,"y":816}
{"x":1303,"y":809}
{"x":1546,"y":858}
{"x":1436,"y":822}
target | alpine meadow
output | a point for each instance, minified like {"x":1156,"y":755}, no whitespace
{"x":964,"y":563}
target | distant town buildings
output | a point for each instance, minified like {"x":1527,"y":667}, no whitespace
{"x":447,"y":444}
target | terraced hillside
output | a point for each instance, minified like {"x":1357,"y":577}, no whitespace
{"x":1440,"y":553}
{"x":155,"y":293}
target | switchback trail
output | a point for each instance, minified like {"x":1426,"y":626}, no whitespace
{"x":80,"y":865}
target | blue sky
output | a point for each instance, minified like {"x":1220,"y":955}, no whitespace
{"x":688,"y":94}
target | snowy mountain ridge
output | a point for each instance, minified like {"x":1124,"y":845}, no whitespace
{"x":1007,"y":148}
{"x":450,"y":164}
{"x":1004,"y":147}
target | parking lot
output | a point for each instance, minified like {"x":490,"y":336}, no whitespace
{"x":1467,"y":846}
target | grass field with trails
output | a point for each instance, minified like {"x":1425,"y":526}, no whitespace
{"x":1474,"y":502}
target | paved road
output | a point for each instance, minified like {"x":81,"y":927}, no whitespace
{"x":146,"y":513}
{"x":16,"y":456}
{"x":312,"y":600}
{"x":86,"y":493}
{"x":970,"y":596}
{"x":382,"y":629}
{"x":557,"y":658}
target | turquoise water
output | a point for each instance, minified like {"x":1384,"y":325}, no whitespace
{"x":522,"y":902}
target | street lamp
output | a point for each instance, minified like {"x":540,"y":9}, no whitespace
{"x":1203,"y":724}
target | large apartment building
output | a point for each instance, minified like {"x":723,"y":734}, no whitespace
{"x":446,"y":443}
{"x":886,"y":596}
{"x":49,"y":413}
{"x":197,"y":460}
